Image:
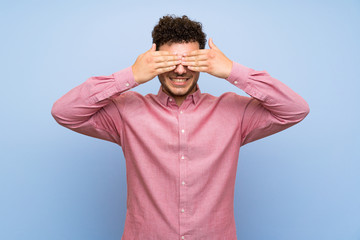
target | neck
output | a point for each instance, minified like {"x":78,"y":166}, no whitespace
{"x":179,"y":99}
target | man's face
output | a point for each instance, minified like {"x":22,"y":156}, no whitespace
{"x":181,"y":81}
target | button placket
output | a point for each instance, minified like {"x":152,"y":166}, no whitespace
{"x":183,"y":171}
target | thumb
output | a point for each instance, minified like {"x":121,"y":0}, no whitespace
{"x":211,"y":44}
{"x":153,"y":47}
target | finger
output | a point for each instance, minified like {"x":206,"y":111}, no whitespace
{"x":153,"y":47}
{"x":166,"y":58}
{"x":198,"y":69}
{"x":167,"y":64}
{"x":165,"y":69}
{"x":195,"y":58}
{"x":162,"y":53}
{"x":212,"y":45}
{"x":196,"y":63}
{"x":196,"y":53}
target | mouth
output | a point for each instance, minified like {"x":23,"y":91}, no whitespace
{"x":179,"y":80}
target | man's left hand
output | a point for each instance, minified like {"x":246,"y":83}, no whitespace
{"x":211,"y":61}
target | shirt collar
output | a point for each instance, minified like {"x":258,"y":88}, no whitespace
{"x":164,"y":98}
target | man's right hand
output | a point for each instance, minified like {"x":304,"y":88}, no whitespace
{"x":152,"y":63}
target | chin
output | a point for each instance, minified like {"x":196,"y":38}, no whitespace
{"x":179,"y":85}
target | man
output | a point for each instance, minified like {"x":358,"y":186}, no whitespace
{"x":181,"y":146}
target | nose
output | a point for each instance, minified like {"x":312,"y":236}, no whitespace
{"x":180,"y":69}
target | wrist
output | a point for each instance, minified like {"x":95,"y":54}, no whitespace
{"x":135,"y":75}
{"x":228,"y":69}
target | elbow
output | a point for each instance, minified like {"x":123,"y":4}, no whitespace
{"x":302,"y":111}
{"x":56,"y":113}
{"x":66,"y":115}
{"x":305,"y":110}
{"x":296,"y":113}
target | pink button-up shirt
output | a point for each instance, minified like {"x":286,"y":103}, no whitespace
{"x":180,"y":161}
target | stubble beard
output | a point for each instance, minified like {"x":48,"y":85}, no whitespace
{"x":169,"y":92}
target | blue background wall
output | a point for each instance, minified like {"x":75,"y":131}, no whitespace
{"x":303,"y":183}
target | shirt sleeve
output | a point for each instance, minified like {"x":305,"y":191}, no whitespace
{"x":273,"y":106}
{"x":89,"y":108}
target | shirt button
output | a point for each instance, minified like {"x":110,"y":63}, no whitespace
{"x":182,"y":157}
{"x":182,"y":237}
{"x":181,"y":112}
{"x":182,"y":130}
{"x":127,"y":84}
{"x":170,"y":99}
{"x":182,"y":210}
{"x":183,"y":183}
{"x":236,"y":82}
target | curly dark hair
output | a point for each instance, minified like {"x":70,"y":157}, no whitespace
{"x":172,"y":29}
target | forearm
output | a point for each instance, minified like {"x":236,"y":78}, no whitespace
{"x":75,"y":109}
{"x":273,"y":106}
{"x":284,"y":104}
